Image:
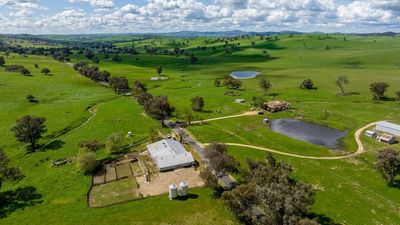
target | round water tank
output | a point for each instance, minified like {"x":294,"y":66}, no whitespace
{"x":183,"y":186}
{"x":173,"y":191}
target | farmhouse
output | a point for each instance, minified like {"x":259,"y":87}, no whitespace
{"x":389,"y":128}
{"x":169,"y":154}
{"x":275,"y":106}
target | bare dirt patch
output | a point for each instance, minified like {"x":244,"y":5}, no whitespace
{"x":159,"y":182}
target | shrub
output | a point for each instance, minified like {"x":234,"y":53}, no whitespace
{"x":307,"y":84}
{"x":86,"y":162}
{"x":115,"y":142}
{"x":91,"y":145}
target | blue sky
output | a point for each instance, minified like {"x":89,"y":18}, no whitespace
{"x":119,"y":16}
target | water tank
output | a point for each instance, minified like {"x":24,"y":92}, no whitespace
{"x":183,"y":186}
{"x":173,"y":191}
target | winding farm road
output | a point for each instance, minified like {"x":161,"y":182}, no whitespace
{"x":93,"y":114}
{"x":249,"y":113}
{"x":357,"y":134}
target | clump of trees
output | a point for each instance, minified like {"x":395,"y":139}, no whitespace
{"x":197,"y":104}
{"x":18,"y":69}
{"x":388,"y":164}
{"x":29,"y":129}
{"x":269,"y":195}
{"x":258,"y":101}
{"x":378,"y":90}
{"x":307,"y":84}
{"x":231,"y":82}
{"x":398,"y":95}
{"x":92,"y":145}
{"x":218,"y":159}
{"x":86,"y":162}
{"x":342,"y":82}
{"x":157,"y":107}
{"x":92,"y":72}
{"x":265,"y":85}
{"x":119,"y":84}
{"x":8,"y":173}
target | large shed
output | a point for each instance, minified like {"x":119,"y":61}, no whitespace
{"x":169,"y":154}
{"x":390,"y":128}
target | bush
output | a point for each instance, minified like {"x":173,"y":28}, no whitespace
{"x":91,"y":145}
{"x":86,"y":162}
{"x":307,"y":84}
{"x":31,"y":99}
{"x":115,"y":142}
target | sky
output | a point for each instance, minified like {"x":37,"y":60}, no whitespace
{"x":154,"y":16}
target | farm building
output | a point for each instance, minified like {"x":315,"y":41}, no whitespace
{"x":169,"y":154}
{"x":370,"y":133}
{"x":387,"y":138}
{"x":276,"y":106}
{"x":389,"y":128}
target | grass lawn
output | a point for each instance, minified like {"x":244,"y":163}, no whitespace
{"x":58,"y":194}
{"x":114,"y":192}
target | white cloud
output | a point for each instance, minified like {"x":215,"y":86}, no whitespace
{"x":175,"y":15}
{"x":101,"y":4}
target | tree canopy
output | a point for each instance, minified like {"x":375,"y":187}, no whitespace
{"x":197,"y":103}
{"x":269,"y":195}
{"x":265,"y":85}
{"x":29,"y":129}
{"x":378,"y":90}
{"x":388,"y":164}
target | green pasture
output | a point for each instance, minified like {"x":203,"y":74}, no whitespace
{"x":348,"y":191}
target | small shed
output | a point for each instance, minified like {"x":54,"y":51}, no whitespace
{"x":387,"y":138}
{"x":370,"y":133}
{"x":240,"y":100}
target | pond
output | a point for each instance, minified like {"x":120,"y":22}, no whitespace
{"x":244,"y":74}
{"x":310,"y":132}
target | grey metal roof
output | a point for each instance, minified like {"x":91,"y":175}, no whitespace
{"x":389,"y":125}
{"x":169,"y":153}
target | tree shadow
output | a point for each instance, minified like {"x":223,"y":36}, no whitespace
{"x":353,"y":93}
{"x":20,"y":198}
{"x":395,"y":184}
{"x":54,"y":145}
{"x":187,"y":197}
{"x":388,"y":99}
{"x":323,"y":219}
{"x":206,"y":111}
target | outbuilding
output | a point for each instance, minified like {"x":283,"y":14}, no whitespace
{"x":370,"y":133}
{"x":240,"y":100}
{"x":169,"y":154}
{"x":389,"y":128}
{"x":387,"y":138}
